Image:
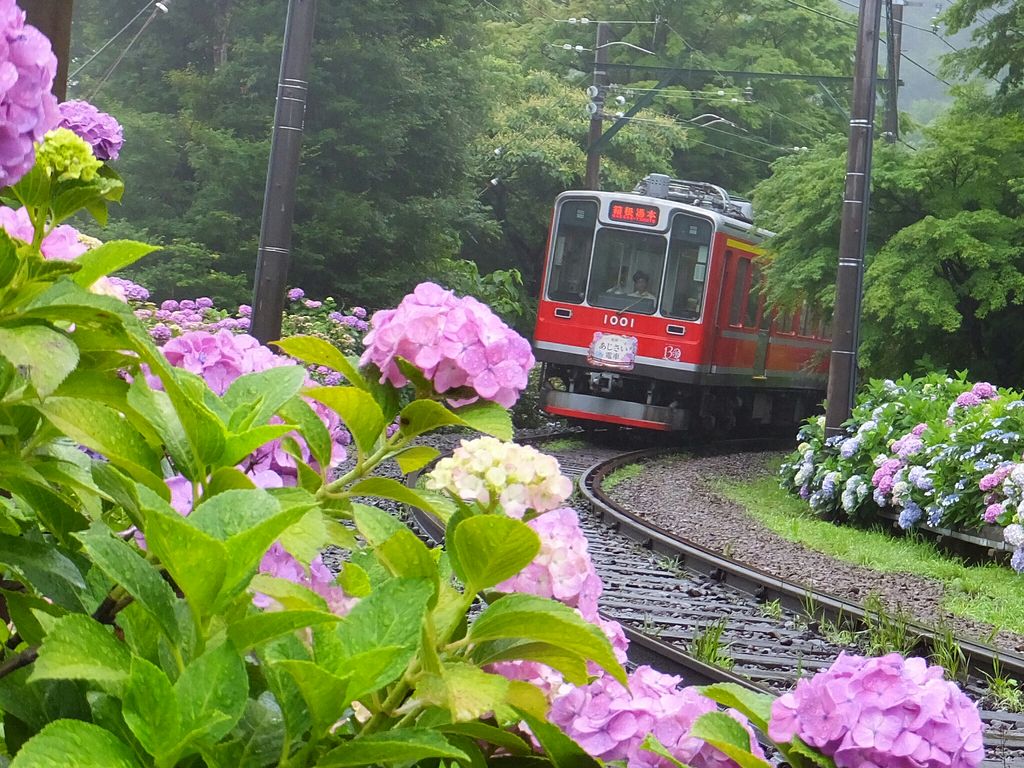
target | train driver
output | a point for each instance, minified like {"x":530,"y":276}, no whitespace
{"x":641,"y":285}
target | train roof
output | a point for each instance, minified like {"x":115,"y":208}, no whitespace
{"x":725,"y":221}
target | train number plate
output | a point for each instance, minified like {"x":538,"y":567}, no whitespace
{"x":610,"y":350}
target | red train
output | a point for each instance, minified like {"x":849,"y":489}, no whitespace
{"x":651,"y":315}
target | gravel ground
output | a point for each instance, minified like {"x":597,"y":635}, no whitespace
{"x":684,"y":502}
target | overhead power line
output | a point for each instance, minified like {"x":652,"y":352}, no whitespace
{"x":120,"y":32}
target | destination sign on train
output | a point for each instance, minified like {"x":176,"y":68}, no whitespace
{"x":633,"y":214}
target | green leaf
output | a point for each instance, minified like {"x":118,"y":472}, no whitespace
{"x":487,"y":417}
{"x":258,"y":628}
{"x":415,"y":458}
{"x":80,"y":648}
{"x":91,"y":746}
{"x":44,"y":355}
{"x":357,"y":409}
{"x":388,"y":488}
{"x":499,"y":737}
{"x":105,"y":431}
{"x":306,"y":538}
{"x":392,"y":747}
{"x":813,"y":756}
{"x":196,"y":560}
{"x":466,"y":691}
{"x":375,"y":525}
{"x":422,"y":416}
{"x":158,"y":410}
{"x":562,"y":751}
{"x":354,"y":580}
{"x":572,"y":666}
{"x":240,"y":445}
{"x":728,"y":736}
{"x":297,"y":411}
{"x":22,"y":607}
{"x":526,"y":617}
{"x":487,"y":549}
{"x":292,"y":596}
{"x":108,"y":258}
{"x":33,"y":189}
{"x":50,"y":571}
{"x":228,"y":479}
{"x":405,"y":555}
{"x":211,"y":693}
{"x":316,"y":351}
{"x":756,"y":706}
{"x":151,"y":710}
{"x":325,"y":694}
{"x":123,"y":564}
{"x":651,"y":744}
{"x":259,"y":395}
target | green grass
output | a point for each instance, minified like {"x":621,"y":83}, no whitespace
{"x":620,"y":475}
{"x":564,"y":444}
{"x":989,"y":593}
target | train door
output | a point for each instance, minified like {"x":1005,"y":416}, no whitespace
{"x":757,"y":312}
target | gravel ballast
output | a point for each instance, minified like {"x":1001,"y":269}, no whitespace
{"x":676,"y":493}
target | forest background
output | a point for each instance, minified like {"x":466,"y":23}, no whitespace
{"x":438,"y":134}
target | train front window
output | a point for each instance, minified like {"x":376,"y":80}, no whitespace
{"x":571,"y":246}
{"x":687,"y":267}
{"x":626,"y":274}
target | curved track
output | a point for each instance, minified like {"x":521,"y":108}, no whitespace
{"x":668,"y":592}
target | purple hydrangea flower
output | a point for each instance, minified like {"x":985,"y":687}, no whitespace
{"x":312,"y":304}
{"x":967,"y":399}
{"x":335,"y":317}
{"x":911,"y":513}
{"x":1017,"y":560}
{"x":160,"y":333}
{"x":887,"y":711}
{"x":101,"y":131}
{"x":132,"y":291}
{"x":295,"y":294}
{"x":204,"y":302}
{"x":455,"y":342}
{"x":27,"y":107}
{"x":984,"y":390}
{"x":992,"y":513}
{"x":244,"y":310}
{"x":359,"y":312}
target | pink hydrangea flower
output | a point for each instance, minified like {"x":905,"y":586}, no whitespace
{"x":282,"y":564}
{"x":455,"y":342}
{"x":995,"y":478}
{"x":61,"y":244}
{"x":967,"y":399}
{"x":882,"y":479}
{"x":919,"y":430}
{"x":984,"y":390}
{"x":887,"y":711}
{"x":220,"y":357}
{"x":27,"y":107}
{"x":562,"y":569}
{"x":992,"y":513}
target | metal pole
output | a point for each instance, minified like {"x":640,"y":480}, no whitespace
{"x":279,"y":198}
{"x":842,"y":377}
{"x":593,"y":178}
{"x":53,"y":19}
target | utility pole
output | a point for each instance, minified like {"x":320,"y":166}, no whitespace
{"x":593,"y":178}
{"x":282,"y":172}
{"x":842,"y":374}
{"x":894,"y":36}
{"x":53,"y":19}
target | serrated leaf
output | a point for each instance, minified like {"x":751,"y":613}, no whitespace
{"x":651,"y":744}
{"x":388,"y":488}
{"x":415,"y":458}
{"x":354,"y":580}
{"x":572,"y":666}
{"x":314,"y":431}
{"x":562,"y":751}
{"x":357,"y":409}
{"x":44,"y":355}
{"x":526,"y":617}
{"x":150,"y":709}
{"x":728,"y":736}
{"x":325,"y":694}
{"x":259,"y":628}
{"x":422,"y":416}
{"x":211,"y":693}
{"x":91,"y":745}
{"x":487,"y":417}
{"x":487,"y":549}
{"x":44,"y":566}
{"x":466,"y":691}
{"x":123,"y":564}
{"x":291,"y":596}
{"x":108,"y":258}
{"x":316,"y":351}
{"x":80,"y":648}
{"x":507,"y":740}
{"x":394,"y":747}
{"x":259,"y":395}
{"x":756,"y":706}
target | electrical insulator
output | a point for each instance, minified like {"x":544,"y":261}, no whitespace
{"x":592,"y":108}
{"x":620,"y":99}
{"x":593,"y":91}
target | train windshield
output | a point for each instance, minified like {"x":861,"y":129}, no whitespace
{"x":687,"y":267}
{"x":570,"y":257}
{"x":627,"y":269}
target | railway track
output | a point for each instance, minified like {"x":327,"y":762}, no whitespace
{"x":670,"y":594}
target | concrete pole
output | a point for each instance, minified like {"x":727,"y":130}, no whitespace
{"x":842,"y":377}
{"x":593,"y":177}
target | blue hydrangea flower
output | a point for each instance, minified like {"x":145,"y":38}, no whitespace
{"x":935,"y":514}
{"x":911,"y":513}
{"x":1017,"y":561}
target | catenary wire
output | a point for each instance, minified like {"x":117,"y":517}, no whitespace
{"x":104,"y":47}
{"x":124,"y":53}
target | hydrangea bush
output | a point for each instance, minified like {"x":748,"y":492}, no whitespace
{"x":936,"y":451}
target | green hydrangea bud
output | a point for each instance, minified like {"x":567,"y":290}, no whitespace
{"x":66,"y":156}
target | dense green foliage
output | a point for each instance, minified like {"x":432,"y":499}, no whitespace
{"x":943,"y":286}
{"x":408,"y":103}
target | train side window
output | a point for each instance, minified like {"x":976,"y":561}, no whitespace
{"x":753,"y":298}
{"x":787,"y":321}
{"x":687,"y":271}
{"x":739,"y":288}
{"x":570,"y":250}
{"x":806,"y":323}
